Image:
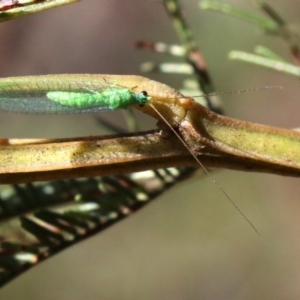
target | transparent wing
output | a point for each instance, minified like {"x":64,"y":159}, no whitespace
{"x":37,"y":102}
{"x":31,"y":97}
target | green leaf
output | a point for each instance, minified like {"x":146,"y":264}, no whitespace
{"x":274,"y":64}
{"x":267,"y":53}
{"x":263,"y":22}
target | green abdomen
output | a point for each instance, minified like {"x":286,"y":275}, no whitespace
{"x":108,"y":98}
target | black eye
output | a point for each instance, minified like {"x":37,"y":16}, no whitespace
{"x":144,"y":93}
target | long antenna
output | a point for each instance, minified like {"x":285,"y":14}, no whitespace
{"x":205,"y":170}
{"x":241,"y":91}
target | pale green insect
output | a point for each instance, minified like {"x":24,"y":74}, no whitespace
{"x":106,"y":99}
{"x":42,"y":96}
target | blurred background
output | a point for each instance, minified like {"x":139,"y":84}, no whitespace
{"x":190,"y":243}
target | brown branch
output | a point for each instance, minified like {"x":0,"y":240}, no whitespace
{"x":218,"y":141}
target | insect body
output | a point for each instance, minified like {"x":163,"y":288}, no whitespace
{"x":106,"y":99}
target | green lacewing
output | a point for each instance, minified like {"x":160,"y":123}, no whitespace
{"x":105,"y":99}
{"x":42,"y":95}
{"x":55,"y":94}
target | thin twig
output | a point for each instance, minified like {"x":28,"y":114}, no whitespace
{"x":192,"y":53}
